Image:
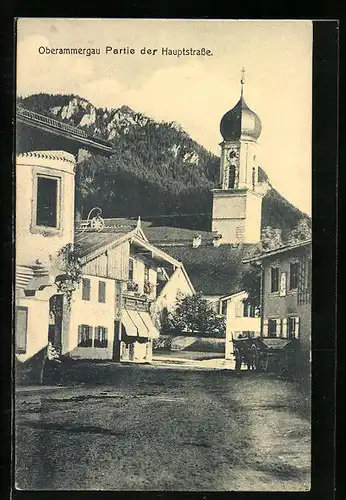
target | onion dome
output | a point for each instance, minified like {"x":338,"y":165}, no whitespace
{"x":240,"y":122}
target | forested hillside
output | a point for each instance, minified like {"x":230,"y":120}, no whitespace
{"x":157,"y":170}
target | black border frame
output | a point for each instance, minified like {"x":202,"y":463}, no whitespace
{"x":325,"y":177}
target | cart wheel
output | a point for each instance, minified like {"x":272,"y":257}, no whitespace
{"x":237,"y":356}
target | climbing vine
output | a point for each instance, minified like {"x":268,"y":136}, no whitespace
{"x":70,"y":265}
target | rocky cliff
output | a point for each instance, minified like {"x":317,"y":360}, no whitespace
{"x":158,"y":170}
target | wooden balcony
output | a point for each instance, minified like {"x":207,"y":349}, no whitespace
{"x":136,"y":303}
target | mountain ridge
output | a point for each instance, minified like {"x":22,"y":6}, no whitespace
{"x":158,"y":168}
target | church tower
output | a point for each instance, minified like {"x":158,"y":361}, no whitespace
{"x":237,"y":204}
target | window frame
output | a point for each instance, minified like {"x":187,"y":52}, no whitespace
{"x":290,"y":287}
{"x":101,"y":282}
{"x":296,"y":327}
{"x":54,"y":187}
{"x":248,"y":310}
{"x":97,"y":337}
{"x":277,"y":269}
{"x":277,"y":328}
{"x":84,"y":280}
{"x":89,"y":338}
{"x":232,"y":176}
{"x":50,"y":174}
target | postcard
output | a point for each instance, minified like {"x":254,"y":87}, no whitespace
{"x":163,"y":255}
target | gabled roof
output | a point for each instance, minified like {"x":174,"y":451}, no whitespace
{"x":232,"y":295}
{"x":89,"y":241}
{"x":214,"y":270}
{"x":121,"y":222}
{"x":186,"y":276}
{"x":279,"y":250}
{"x":90,"y":244}
{"x":163,"y":235}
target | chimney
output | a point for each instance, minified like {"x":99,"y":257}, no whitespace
{"x":197,"y":240}
{"x":217,"y":240}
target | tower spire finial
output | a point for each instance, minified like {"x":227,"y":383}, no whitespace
{"x":242,"y":80}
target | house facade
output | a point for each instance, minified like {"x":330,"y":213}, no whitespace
{"x":286,"y":294}
{"x":242,"y":318}
{"x":44,"y":224}
{"x":177,"y":285}
{"x":111,"y":311}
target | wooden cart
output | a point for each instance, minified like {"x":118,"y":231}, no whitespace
{"x":265,"y":353}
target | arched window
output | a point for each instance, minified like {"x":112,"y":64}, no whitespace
{"x":231,"y":177}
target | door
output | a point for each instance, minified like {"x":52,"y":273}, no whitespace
{"x":56,"y":317}
{"x":116,"y":341}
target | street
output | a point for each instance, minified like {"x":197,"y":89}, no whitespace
{"x":156,"y":428}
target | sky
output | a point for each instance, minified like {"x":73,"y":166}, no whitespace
{"x":192,"y":90}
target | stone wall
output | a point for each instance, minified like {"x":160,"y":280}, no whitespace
{"x":188,"y":343}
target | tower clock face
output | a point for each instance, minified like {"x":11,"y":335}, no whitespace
{"x":233,"y":156}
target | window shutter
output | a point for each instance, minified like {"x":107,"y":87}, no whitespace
{"x":21,"y":329}
{"x":265,"y":327}
{"x":279,"y":327}
{"x":297,"y":328}
{"x":90,"y":339}
{"x":283,"y":284}
{"x":79,"y":334}
{"x":284,"y":328}
{"x":102,"y":291}
{"x":86,"y":289}
{"x":301,"y":279}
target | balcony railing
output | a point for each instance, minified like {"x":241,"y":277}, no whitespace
{"x":50,"y":121}
{"x":134,"y":303}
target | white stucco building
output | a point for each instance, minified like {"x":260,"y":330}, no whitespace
{"x":44,"y":224}
{"x":241,"y":319}
{"x":112,"y":312}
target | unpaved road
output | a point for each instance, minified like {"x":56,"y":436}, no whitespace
{"x":147,"y":428}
